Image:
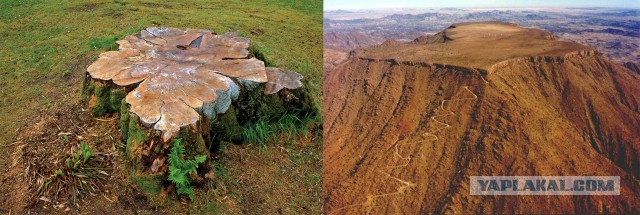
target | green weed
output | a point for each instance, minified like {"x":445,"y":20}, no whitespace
{"x":66,"y":73}
{"x":78,"y":177}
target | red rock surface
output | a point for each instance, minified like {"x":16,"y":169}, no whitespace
{"x":406,"y":125}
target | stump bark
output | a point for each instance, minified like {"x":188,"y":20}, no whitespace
{"x":167,"y":84}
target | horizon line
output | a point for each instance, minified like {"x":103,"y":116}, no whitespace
{"x":505,"y":7}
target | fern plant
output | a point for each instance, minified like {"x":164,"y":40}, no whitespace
{"x":180,"y":169}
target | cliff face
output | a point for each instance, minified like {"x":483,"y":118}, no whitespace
{"x":403,"y":136}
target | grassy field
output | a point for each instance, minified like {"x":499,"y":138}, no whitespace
{"x":46,"y":47}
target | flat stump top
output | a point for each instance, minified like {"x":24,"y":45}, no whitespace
{"x":180,"y":71}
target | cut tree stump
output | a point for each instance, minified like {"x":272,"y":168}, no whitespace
{"x":167,"y":83}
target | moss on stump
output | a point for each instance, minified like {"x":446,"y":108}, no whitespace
{"x":102,"y":98}
{"x":147,"y":154}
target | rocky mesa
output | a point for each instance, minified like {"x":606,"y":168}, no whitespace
{"x":407,"y":124}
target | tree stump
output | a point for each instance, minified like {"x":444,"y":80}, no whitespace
{"x":167,"y":83}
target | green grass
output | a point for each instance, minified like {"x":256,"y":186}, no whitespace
{"x":290,"y":125}
{"x":104,"y":43}
{"x":42,"y":39}
{"x":258,"y":133}
{"x":109,"y":43}
{"x":47,"y":45}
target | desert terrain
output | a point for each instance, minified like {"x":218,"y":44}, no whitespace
{"x":407,"y":123}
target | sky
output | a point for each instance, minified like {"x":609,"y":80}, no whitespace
{"x":380,"y":4}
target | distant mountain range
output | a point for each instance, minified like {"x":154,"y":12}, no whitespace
{"x":614,"y":32}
